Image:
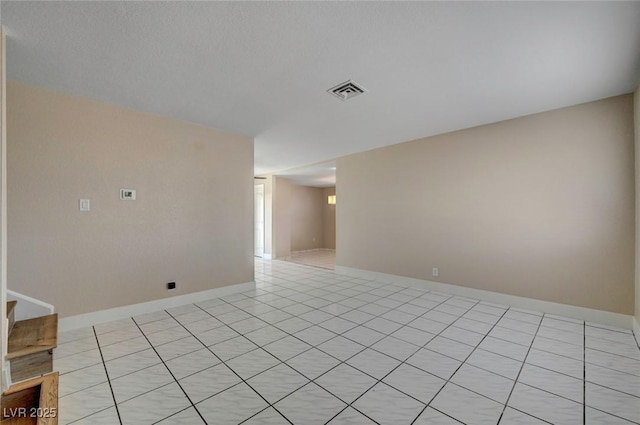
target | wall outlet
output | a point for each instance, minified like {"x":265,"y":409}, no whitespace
{"x":435,"y":272}
{"x":171,"y":286}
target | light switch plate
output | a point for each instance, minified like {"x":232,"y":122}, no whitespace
{"x":85,"y":205}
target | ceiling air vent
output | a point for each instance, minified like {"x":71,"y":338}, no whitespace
{"x":346,"y":90}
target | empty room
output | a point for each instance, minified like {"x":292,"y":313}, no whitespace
{"x":319,"y":213}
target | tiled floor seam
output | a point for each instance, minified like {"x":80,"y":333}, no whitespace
{"x":80,"y":368}
{"x":72,"y":354}
{"x":378,"y":381}
{"x":543,"y":367}
{"x":515,"y":381}
{"x":242,"y":335}
{"x":613,"y":414}
{"x":319,"y":323}
{"x":269,"y":405}
{"x":115,"y":404}
{"x":616,"y":354}
{"x":402,"y":362}
{"x":89,"y":415}
{"x":172,"y":375}
{"x":290,"y":285}
{"x":136,"y":371}
{"x":341,"y":362}
{"x":447,"y":381}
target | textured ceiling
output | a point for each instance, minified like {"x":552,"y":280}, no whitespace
{"x":263,"y":68}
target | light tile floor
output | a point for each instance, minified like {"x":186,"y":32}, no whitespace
{"x":323,"y":259}
{"x":309,"y":346}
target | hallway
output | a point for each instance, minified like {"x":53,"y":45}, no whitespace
{"x":325,"y":258}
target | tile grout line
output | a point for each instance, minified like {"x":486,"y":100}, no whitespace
{"x":460,"y":366}
{"x":495,"y":324}
{"x":612,"y":414}
{"x":231,"y":369}
{"x":365,"y":347}
{"x":448,"y":297}
{"x":445,"y":355}
{"x":317,"y":346}
{"x":530,"y":346}
{"x":172,"y":375}
{"x":404,"y":324}
{"x":340,"y":284}
{"x":613,"y":354}
{"x":115,"y":403}
{"x":524,"y":361}
{"x":371,"y":346}
{"x":402,"y":362}
{"x":540,"y":325}
{"x":449,"y":325}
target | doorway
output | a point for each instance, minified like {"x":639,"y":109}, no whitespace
{"x":258,"y":202}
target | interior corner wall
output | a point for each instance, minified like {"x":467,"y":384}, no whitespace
{"x":192,"y":222}
{"x":540,"y":206}
{"x":329,"y":219}
{"x":281,"y":217}
{"x":636,"y":119}
{"x":4,"y":323}
{"x":307,"y":230}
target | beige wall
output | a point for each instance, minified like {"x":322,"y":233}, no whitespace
{"x":192,"y":222}
{"x":540,"y":207}
{"x":329,"y":219}
{"x":636,"y":115}
{"x":281,"y":238}
{"x":299,"y":215}
{"x":307,"y":230}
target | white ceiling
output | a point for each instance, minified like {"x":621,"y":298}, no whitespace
{"x":318,"y":175}
{"x":262,"y":68}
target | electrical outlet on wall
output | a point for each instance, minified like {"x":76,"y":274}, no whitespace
{"x":435,"y":272}
{"x":171,"y":286}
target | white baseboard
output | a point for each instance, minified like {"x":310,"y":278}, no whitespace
{"x":306,"y":251}
{"x":28,"y":307}
{"x":575,"y":312}
{"x":636,"y":330}
{"x":102,"y":316}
